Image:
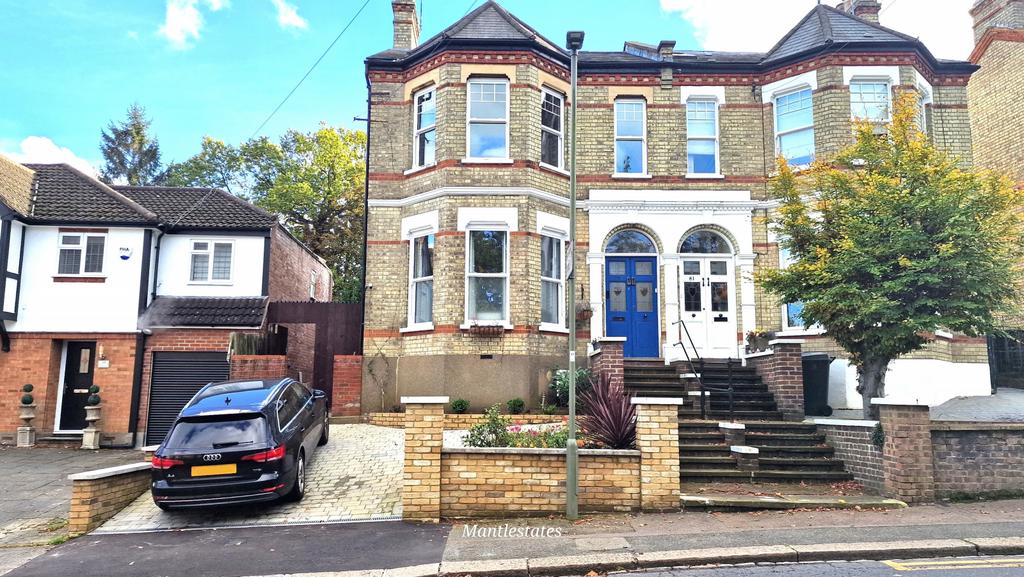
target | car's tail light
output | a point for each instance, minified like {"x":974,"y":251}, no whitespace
{"x":274,"y":454}
{"x":162,"y":463}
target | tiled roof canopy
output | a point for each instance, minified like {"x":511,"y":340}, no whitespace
{"x":205,"y":312}
{"x":198,"y":207}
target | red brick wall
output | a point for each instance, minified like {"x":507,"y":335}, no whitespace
{"x":348,"y":384}
{"x":35,"y":358}
{"x":290,"y":268}
{"x":907,"y":453}
{"x":609,"y":361}
{"x":258,"y":367}
{"x":977,"y":458}
{"x":783,"y":372}
{"x":860,"y":456}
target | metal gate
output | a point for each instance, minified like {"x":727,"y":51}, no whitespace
{"x":177,"y":377}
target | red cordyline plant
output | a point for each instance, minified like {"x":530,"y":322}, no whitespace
{"x":610,"y":418}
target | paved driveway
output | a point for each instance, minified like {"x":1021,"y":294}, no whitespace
{"x":356,"y":476}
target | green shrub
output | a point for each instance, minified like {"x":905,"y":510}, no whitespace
{"x":516,"y":406}
{"x":491,"y":432}
{"x":559,"y":385}
{"x":535,"y":439}
{"x":94,"y":390}
{"x":459,"y":406}
{"x":27,"y":399}
{"x":548,"y":409}
{"x":93,"y":400}
{"x":878,"y":436}
{"x":27,"y":388}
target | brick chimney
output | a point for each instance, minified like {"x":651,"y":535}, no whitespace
{"x":863,"y":9}
{"x":989,"y":14}
{"x":407,"y":24}
{"x":15,"y":185}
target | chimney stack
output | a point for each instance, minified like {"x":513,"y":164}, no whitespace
{"x":863,"y":9}
{"x":407,"y":24}
{"x":988,"y":14}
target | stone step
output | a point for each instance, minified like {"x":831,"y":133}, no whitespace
{"x":820,"y":463}
{"x":690,"y":475}
{"x":757,"y":439}
{"x":746,"y":502}
{"x":694,"y":412}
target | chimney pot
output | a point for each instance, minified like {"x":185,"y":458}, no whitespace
{"x":407,"y":24}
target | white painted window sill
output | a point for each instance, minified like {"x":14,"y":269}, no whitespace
{"x":418,"y":169}
{"x":553,"y":328}
{"x":630,"y":175}
{"x":487,"y":161}
{"x":210,"y":283}
{"x":699,"y":176}
{"x":417,"y":327}
{"x":800,"y":332}
{"x":553,"y":168}
{"x":470,"y":324}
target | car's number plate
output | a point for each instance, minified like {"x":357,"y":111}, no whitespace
{"x":210,"y":470}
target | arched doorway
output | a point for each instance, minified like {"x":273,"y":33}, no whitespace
{"x":631,"y":285}
{"x":707,"y":293}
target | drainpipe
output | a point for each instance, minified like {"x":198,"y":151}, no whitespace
{"x":156,"y":262}
{"x":366,"y":214}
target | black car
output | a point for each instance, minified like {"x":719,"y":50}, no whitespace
{"x":240,"y":442}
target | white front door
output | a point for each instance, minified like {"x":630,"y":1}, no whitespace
{"x":708,"y":305}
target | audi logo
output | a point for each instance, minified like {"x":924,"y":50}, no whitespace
{"x":212,"y":457}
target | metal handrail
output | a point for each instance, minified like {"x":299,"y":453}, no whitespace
{"x":699,"y":372}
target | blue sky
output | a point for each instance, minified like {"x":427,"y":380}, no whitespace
{"x":219,"y":67}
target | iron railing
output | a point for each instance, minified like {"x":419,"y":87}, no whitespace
{"x":698,"y":371}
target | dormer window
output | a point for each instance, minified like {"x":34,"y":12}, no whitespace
{"x":211,"y":261}
{"x":487,"y":131}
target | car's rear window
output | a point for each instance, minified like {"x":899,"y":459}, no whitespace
{"x":222,"y":433}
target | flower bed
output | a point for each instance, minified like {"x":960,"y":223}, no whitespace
{"x":460,"y":421}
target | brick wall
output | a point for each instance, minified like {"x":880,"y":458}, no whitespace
{"x":495,"y":482}
{"x":977,"y":457}
{"x":36,"y":358}
{"x":608,"y":360}
{"x":93,"y":501}
{"x":782,"y":371}
{"x":259,"y":367}
{"x":994,"y":95}
{"x":909,"y":474}
{"x":348,"y":385}
{"x":860,"y":457}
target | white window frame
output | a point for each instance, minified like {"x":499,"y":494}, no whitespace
{"x":717,"y":137}
{"x":411,"y":324}
{"x":82,"y":248}
{"x":497,"y":219}
{"x":775,"y":121}
{"x":556,"y":227}
{"x":417,"y":132}
{"x":560,"y":133}
{"x":884,"y":80}
{"x":211,"y":242}
{"x":788,"y":329}
{"x":415,"y":226}
{"x":642,"y":138}
{"x":470,"y":120}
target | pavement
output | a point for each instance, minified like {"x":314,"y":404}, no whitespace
{"x":356,"y":476}
{"x":1006,"y":405}
{"x":1002,"y":566}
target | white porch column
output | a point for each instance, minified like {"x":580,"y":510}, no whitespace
{"x":595,"y":260}
{"x":670,"y":296}
{"x":746,"y":264}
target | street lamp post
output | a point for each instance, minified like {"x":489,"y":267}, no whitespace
{"x":573,"y":41}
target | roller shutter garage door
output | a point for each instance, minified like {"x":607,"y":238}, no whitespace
{"x":177,"y":377}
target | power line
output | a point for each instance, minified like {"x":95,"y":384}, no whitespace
{"x":882,"y":11}
{"x":311,"y":68}
{"x":471,"y":5}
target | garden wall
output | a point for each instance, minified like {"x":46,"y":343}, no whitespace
{"x":977,"y":457}
{"x":461,"y":421}
{"x":854,"y":447}
{"x":492,"y":482}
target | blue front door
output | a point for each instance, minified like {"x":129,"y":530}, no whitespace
{"x":631,"y":304}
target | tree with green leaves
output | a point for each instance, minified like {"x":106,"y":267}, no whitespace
{"x":892,"y":241}
{"x":131,"y":155}
{"x":314,"y":180}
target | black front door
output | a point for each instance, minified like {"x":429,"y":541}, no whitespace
{"x":78,"y":371}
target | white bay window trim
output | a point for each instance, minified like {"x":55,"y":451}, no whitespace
{"x":428,"y":94}
{"x":477,"y":219}
{"x":415,"y":227}
{"x":859,"y":98}
{"x":484,"y":121}
{"x":555,"y":227}
{"x":557,"y":133}
{"x":641,"y":138}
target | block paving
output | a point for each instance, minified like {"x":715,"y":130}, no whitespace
{"x":357,"y":476}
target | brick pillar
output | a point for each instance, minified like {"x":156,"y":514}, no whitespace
{"x":734,"y":433}
{"x":657,"y":438}
{"x":608,"y":359}
{"x":907,"y":465}
{"x":424,"y":435}
{"x":782,"y":370}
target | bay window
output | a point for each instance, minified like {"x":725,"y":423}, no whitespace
{"x":425,"y":128}
{"x":794,"y":127}
{"x":421,"y":280}
{"x":552,"y":281}
{"x":869,"y":100}
{"x":80,"y":253}
{"x":551,"y":128}
{"x":487,"y":276}
{"x":701,"y":136}
{"x":630,"y":136}
{"x":488,"y":119}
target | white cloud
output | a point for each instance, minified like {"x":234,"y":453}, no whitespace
{"x":756,"y":25}
{"x":288,"y":15}
{"x":183,"y":20}
{"x":42,"y":150}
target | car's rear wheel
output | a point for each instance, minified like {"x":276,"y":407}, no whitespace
{"x":326,"y":431}
{"x":163,"y":507}
{"x":299,"y":487}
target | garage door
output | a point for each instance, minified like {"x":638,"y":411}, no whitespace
{"x":177,"y":377}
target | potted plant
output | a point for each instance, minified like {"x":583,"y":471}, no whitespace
{"x":758,"y":339}
{"x":583,"y":311}
{"x":27,"y":412}
{"x":91,"y":433}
